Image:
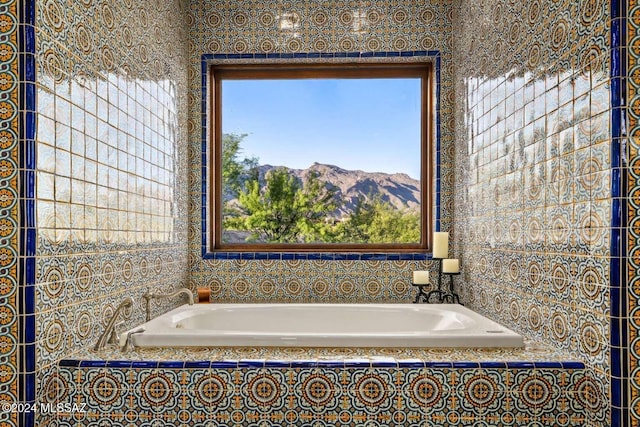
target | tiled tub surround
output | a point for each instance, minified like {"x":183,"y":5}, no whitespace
{"x":328,"y":387}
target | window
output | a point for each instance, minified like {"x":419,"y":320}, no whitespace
{"x":321,"y":157}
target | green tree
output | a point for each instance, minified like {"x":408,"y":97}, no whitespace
{"x":235,"y":170}
{"x":375,"y":221}
{"x":284,"y":210}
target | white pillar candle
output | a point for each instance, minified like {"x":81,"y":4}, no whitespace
{"x":451,"y":266}
{"x":440,"y":245}
{"x":421,"y":277}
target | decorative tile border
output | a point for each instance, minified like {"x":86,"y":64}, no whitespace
{"x":532,"y":353}
{"x":213,"y":58}
{"x":12,"y":260}
{"x":619,"y":286}
{"x":309,"y":364}
{"x":27,"y":271}
{"x":629,"y":356}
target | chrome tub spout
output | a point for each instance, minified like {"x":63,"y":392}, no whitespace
{"x":148,"y":296}
{"x":128,"y":341}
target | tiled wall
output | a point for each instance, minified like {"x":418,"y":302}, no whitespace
{"x":534,"y":213}
{"x":110,"y":151}
{"x":301,"y":27}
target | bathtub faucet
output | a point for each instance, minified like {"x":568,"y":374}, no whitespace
{"x":110,"y":335}
{"x":148,"y":296}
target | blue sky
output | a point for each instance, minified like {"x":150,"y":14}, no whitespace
{"x":366,"y":124}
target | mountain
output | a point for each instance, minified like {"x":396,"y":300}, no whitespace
{"x":399,"y":189}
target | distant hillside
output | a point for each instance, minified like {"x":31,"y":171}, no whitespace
{"x":399,"y":189}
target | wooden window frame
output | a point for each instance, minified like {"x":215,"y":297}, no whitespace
{"x":220,"y":72}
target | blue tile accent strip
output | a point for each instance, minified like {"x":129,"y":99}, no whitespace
{"x":573,"y":365}
{"x":442,"y":365}
{"x":28,"y":418}
{"x":619,"y":342}
{"x":70,"y":363}
{"x":119,"y":363}
{"x":385,"y":364}
{"x":493,"y":365}
{"x":224,"y":364}
{"x":325,"y":256}
{"x":520,"y":365}
{"x":251,"y":363}
{"x":304,"y":364}
{"x":278,"y":364}
{"x":331,"y":364}
{"x":438,"y":146}
{"x":27,"y":242}
{"x":171,"y":364}
{"x":204,"y":364}
{"x":27,"y":363}
{"x":408,"y":364}
{"x":354,"y":364}
{"x":327,"y":364}
{"x":144,"y":364}
{"x":548,"y":365}
{"x":466,"y":365}
{"x":97,"y":364}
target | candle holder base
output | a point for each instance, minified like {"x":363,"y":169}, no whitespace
{"x":421,"y":293}
{"x":438,"y":290}
{"x":441,"y":295}
{"x":451,"y":296}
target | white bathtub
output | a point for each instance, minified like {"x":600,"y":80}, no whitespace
{"x":324,"y":325}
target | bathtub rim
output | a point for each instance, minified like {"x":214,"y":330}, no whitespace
{"x":169,"y":337}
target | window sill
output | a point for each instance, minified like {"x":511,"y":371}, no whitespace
{"x":318,"y":256}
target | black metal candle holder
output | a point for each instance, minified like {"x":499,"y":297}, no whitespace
{"x":421,"y":293}
{"x":451,"y":296}
{"x":438,"y":290}
{"x":439,"y":294}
